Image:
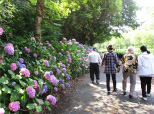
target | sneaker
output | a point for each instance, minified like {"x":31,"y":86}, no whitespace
{"x":108,"y":93}
{"x":148,"y":95}
{"x":124,"y":93}
{"x":130,"y":96}
{"x":144,"y":98}
{"x":93,"y":82}
{"x":115,"y":90}
{"x":97,"y":82}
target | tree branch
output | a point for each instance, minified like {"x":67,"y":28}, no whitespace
{"x":31,"y":3}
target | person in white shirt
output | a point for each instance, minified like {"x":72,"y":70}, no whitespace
{"x":94,"y":59}
{"x":145,"y":71}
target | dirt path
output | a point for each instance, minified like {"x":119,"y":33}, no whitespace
{"x":86,"y":98}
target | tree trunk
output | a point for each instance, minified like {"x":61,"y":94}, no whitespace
{"x":38,"y":19}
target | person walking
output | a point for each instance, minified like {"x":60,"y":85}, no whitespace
{"x":110,"y":61}
{"x":145,"y":71}
{"x":130,"y":63}
{"x":94,"y":59}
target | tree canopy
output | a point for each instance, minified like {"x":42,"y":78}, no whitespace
{"x":88,"y":21}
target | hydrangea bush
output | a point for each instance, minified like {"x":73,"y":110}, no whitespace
{"x":31,"y":73}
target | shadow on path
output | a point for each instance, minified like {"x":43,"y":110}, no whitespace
{"x":86,"y":98}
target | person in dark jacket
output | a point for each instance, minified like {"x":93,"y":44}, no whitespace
{"x":110,"y":61}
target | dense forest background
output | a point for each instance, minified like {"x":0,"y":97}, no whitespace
{"x":88,"y":21}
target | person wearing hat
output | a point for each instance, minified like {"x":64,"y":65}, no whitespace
{"x":94,"y":59}
{"x":110,"y":61}
{"x":145,"y":71}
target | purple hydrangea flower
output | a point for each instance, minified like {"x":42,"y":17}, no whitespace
{"x":22,"y":66}
{"x":51,"y":99}
{"x":62,"y":86}
{"x":34,"y":55}
{"x":67,"y":85}
{"x":45,"y":89}
{"x":30,"y":91}
{"x":67,"y":51}
{"x":13,"y":83}
{"x":55,"y":89}
{"x":68,"y":64}
{"x":44,"y":47}
{"x":62,"y":81}
{"x":21,"y":60}
{"x":51,"y":72}
{"x":9,"y":48}
{"x":53,"y":80}
{"x":64,"y":70}
{"x":46,"y":63}
{"x":35,"y":72}
{"x":63,"y":66}
{"x":58,"y":71}
{"x":47,"y":75}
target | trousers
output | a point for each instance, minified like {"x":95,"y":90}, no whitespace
{"x":145,"y":81}
{"x":108,"y":81}
{"x":94,"y":70}
{"x":132,"y":81}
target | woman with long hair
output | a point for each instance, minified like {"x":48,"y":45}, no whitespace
{"x":145,"y":71}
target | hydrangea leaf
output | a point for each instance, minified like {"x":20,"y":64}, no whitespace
{"x":6,"y":89}
{"x":38,"y":108}
{"x":40,"y":101}
{"x":47,"y":103}
{"x":15,"y":97}
{"x":30,"y":106}
{"x":4,"y":80}
{"x":18,"y":88}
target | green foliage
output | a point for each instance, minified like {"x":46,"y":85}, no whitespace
{"x":74,"y":67}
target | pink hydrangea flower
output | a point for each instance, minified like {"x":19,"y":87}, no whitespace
{"x":30,"y":91}
{"x":13,"y":66}
{"x":58,"y":71}
{"x":46,"y":63}
{"x":68,"y":64}
{"x":53,"y":80}
{"x":32,"y":38}
{"x":64,"y":70}
{"x":52,"y":48}
{"x":1,"y":31}
{"x":27,"y":50}
{"x":74,"y":40}
{"x":70,"y":43}
{"x":14,"y":106}
{"x":65,"y":39}
{"x":35,"y":72}
{"x":9,"y":48}
{"x":35,"y":84}
{"x":25,"y":72}
{"x":2,"y":111}
{"x":34,"y":55}
{"x":51,"y":99}
{"x":47,"y":75}
{"x":67,"y":51}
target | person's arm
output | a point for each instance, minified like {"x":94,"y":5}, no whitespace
{"x":99,"y":59}
{"x":139,"y":62}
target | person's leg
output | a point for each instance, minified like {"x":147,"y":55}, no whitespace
{"x":92,"y":72}
{"x":143,"y":86}
{"x":124,"y":82}
{"x":114,"y":82}
{"x":132,"y":83}
{"x":97,"y":73}
{"x":149,"y":84}
{"x":108,"y":82}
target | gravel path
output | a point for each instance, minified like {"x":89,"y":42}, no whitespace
{"x":86,"y":98}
